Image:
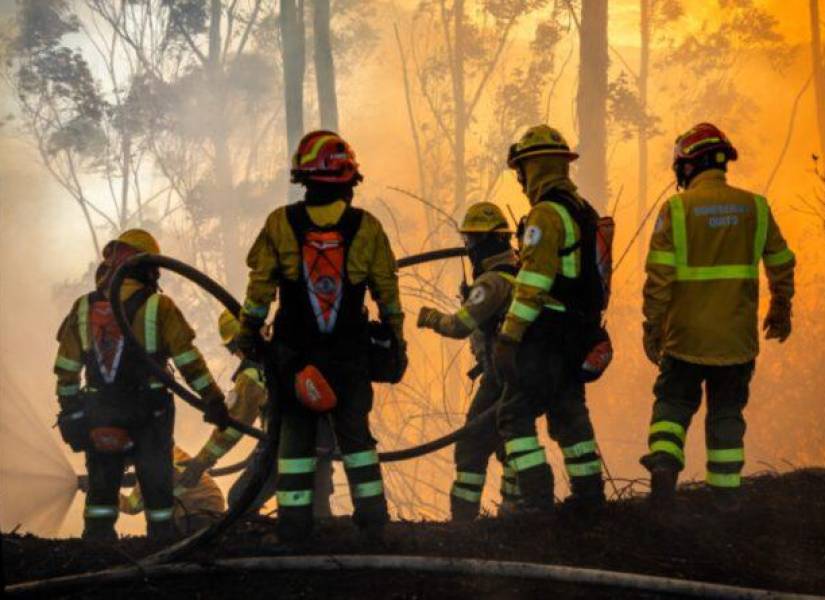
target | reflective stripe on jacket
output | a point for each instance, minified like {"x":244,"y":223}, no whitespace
{"x":275,"y":255}
{"x":702,"y":288}
{"x":549,"y":228}
{"x":159,"y":327}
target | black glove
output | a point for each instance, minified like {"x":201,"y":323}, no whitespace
{"x":216,"y":412}
{"x":403,"y":360}
{"x":777,"y":324}
{"x":249,"y":340}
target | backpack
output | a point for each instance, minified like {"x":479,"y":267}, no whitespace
{"x":322,"y":303}
{"x":587,"y":296}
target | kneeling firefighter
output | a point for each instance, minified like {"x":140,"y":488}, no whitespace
{"x":700,"y":305}
{"x":552,"y":340}
{"x":248,"y":401}
{"x":322,"y":254}
{"x":196,"y":506}
{"x":487,"y":237}
{"x":122,"y":411}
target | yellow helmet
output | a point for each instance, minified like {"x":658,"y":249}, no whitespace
{"x":540,"y":140}
{"x":141,"y":240}
{"x":228,"y":326}
{"x":484,"y":217}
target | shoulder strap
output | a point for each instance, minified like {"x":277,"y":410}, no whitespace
{"x":298,"y":218}
{"x":350,"y":223}
{"x":507,"y":271}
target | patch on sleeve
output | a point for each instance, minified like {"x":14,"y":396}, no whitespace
{"x":532,"y":235}
{"x":477,"y":296}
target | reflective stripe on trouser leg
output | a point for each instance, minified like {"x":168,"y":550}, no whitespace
{"x":533,"y":475}
{"x":582,"y":460}
{"x":725,"y":467}
{"x":668,"y":437}
{"x":295,"y":482}
{"x":158,"y":515}
{"x":98,"y":511}
{"x":366,"y":485}
{"x":468,"y":486}
{"x":509,"y":484}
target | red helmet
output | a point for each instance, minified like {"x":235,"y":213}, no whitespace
{"x":324,"y":156}
{"x":703,"y":139}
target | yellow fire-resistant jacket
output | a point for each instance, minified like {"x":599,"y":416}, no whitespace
{"x":549,"y":228}
{"x":205,"y":497}
{"x":250,"y":398}
{"x":488,"y":299}
{"x":702,"y":287}
{"x":160,"y":328}
{"x":275,"y":255}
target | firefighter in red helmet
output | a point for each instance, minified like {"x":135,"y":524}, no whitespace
{"x":322,"y":255}
{"x":700,"y":308}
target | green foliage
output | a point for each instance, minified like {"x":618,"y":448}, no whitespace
{"x":624,"y":109}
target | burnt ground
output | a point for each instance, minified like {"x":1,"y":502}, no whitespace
{"x":776,"y":541}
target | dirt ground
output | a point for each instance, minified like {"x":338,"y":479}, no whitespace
{"x":776,"y":541}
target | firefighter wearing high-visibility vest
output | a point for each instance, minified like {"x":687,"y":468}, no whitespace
{"x":122,"y":411}
{"x":196,"y":506}
{"x":248,"y":401}
{"x":487,"y":238}
{"x":321,"y":255}
{"x":700,"y":308}
{"x":530,"y":352}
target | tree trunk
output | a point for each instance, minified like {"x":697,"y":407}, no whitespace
{"x":591,"y":102}
{"x":644,"y":65}
{"x":293,"y":48}
{"x":224,"y":184}
{"x":324,"y":66}
{"x":819,"y":71}
{"x":459,"y":108}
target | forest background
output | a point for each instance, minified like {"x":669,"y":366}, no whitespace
{"x":180,"y":116}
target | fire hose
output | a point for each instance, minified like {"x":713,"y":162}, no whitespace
{"x":255,"y":485}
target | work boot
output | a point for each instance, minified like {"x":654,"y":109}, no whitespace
{"x":536,"y":485}
{"x":726,"y":500}
{"x":294,"y":530}
{"x":100,"y":531}
{"x":462,"y":511}
{"x":161,"y":531}
{"x":662,"y":488}
{"x":509,"y":507}
{"x":586,"y":498}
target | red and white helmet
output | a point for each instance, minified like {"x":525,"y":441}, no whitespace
{"x":325,"y":157}
{"x":703,"y":139}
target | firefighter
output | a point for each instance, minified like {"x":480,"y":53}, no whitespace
{"x":127,"y":413}
{"x":196,"y":506}
{"x":700,"y":309}
{"x":322,"y":255}
{"x":248,"y":401}
{"x":487,"y":238}
{"x":532,"y":351}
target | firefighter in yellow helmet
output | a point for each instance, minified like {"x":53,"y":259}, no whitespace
{"x":700,"y":308}
{"x":122,"y":411}
{"x":247,"y":401}
{"x":322,"y":255}
{"x":196,"y":506}
{"x":532,"y":350}
{"x":487,"y":238}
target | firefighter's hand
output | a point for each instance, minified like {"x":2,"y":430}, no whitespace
{"x":777,"y":324}
{"x":403,"y":360}
{"x":427,"y":318}
{"x":504,"y":358}
{"x":216,"y":412}
{"x":249,"y":339}
{"x":193,"y":472}
{"x":652,"y":343}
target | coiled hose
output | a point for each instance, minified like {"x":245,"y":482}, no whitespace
{"x":251,"y":491}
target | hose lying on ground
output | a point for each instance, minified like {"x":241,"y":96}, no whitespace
{"x":421,"y":564}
